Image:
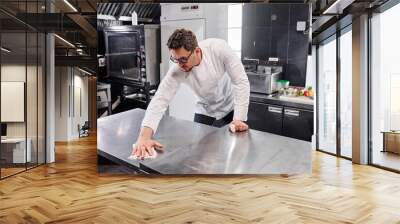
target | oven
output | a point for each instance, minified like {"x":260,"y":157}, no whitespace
{"x":133,"y":53}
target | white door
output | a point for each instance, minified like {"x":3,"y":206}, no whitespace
{"x":183,"y":104}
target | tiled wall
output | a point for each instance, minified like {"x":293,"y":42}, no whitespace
{"x":269,"y":30}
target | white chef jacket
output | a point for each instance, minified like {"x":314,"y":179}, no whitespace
{"x":211,"y":81}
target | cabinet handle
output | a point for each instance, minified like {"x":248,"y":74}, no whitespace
{"x":292,"y":112}
{"x":275,"y":109}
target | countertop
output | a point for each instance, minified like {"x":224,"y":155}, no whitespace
{"x":283,"y":100}
{"x":192,"y":148}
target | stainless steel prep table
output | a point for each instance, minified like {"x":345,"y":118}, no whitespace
{"x":192,"y":148}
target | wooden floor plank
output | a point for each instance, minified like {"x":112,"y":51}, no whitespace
{"x":71,"y":191}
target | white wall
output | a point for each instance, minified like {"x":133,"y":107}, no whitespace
{"x":82,"y":82}
{"x":80,"y":102}
{"x":61,"y":103}
{"x":70,"y":83}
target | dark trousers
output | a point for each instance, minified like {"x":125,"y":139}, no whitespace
{"x":212,"y":121}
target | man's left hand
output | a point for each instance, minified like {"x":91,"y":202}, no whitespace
{"x":238,"y":126}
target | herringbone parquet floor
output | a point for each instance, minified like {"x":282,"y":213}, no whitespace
{"x":71,"y":191}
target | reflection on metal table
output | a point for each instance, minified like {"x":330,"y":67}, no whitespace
{"x":192,"y":148}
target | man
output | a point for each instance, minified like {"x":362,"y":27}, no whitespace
{"x":203,"y":68}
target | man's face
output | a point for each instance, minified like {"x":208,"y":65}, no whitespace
{"x":185,"y":59}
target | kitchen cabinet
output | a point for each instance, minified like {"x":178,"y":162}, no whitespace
{"x":249,"y":36}
{"x":281,"y":120}
{"x":279,"y":14}
{"x":258,"y":42}
{"x":279,"y":43}
{"x":256,"y":15}
{"x":297,"y":123}
{"x":265,"y":117}
{"x":298,"y":12}
{"x":249,"y":17}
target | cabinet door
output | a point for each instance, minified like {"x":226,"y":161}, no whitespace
{"x":298,"y":124}
{"x":262,"y":42}
{"x":249,"y":35}
{"x":248,"y":15}
{"x":299,"y":12}
{"x":256,"y":15}
{"x":279,"y":14}
{"x":264,"y":117}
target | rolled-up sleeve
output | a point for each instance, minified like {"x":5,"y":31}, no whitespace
{"x":240,"y":81}
{"x":159,"y":103}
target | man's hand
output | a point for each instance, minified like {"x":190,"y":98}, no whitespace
{"x":144,"y":148}
{"x":237,"y":125}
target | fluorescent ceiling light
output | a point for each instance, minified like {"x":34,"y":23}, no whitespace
{"x":84,"y":71}
{"x":5,"y":49}
{"x":70,"y":5}
{"x":65,"y":41}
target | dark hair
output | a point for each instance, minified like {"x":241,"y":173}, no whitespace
{"x":182,"y":38}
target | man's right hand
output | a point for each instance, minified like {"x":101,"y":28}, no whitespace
{"x":144,"y":148}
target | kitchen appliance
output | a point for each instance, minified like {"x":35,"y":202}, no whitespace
{"x":250,"y":65}
{"x":104,"y":97}
{"x":133,"y":53}
{"x":265,"y":79}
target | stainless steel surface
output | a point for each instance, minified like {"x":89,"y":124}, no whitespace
{"x":145,"y":12}
{"x":265,"y":79}
{"x":250,"y":65}
{"x":103,"y":95}
{"x":153,"y":53}
{"x":272,"y":86}
{"x":192,"y":148}
{"x":262,"y":69}
{"x":263,"y":83}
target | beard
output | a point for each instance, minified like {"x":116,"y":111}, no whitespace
{"x":187,"y":69}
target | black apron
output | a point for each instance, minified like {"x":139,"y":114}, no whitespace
{"x":212,"y":121}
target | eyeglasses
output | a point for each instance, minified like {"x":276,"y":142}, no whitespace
{"x":182,"y":60}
